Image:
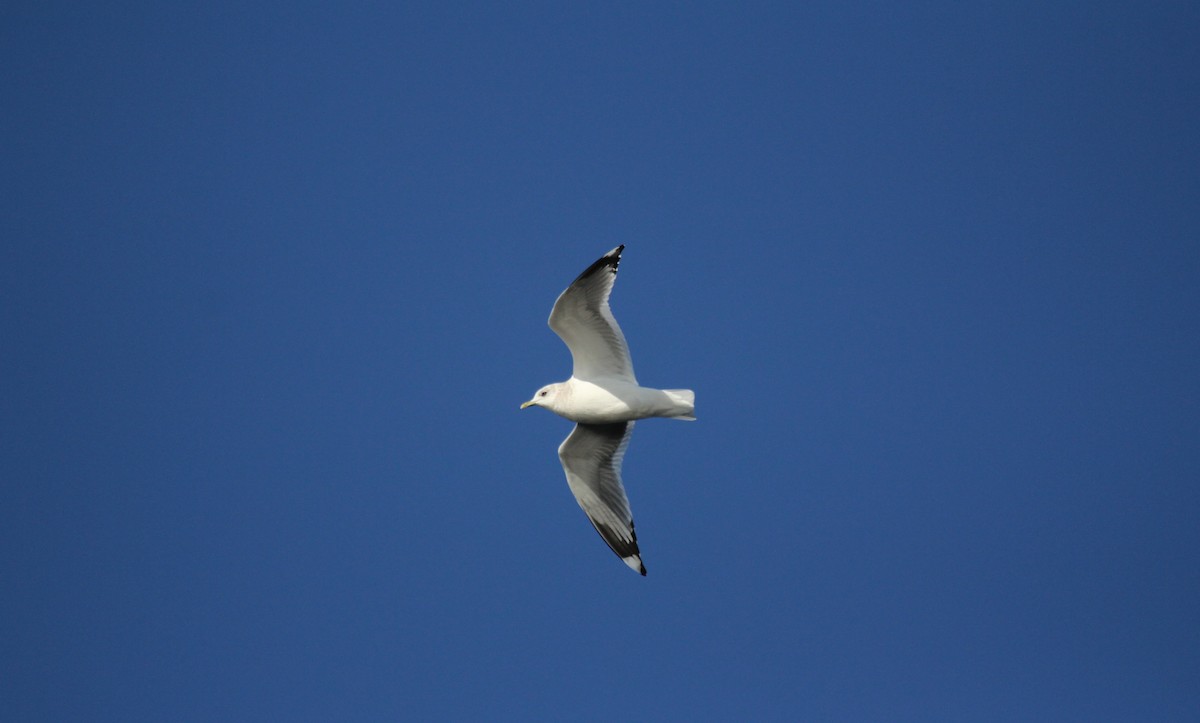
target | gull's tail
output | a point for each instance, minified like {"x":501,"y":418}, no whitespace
{"x":685,"y":404}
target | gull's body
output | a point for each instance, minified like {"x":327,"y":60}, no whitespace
{"x":615,"y":400}
{"x":603,"y":398}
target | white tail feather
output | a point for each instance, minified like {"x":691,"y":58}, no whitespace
{"x":686,"y":399}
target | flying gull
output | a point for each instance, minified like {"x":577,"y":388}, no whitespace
{"x":603,"y":398}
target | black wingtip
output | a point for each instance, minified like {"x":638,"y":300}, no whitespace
{"x":610,"y":260}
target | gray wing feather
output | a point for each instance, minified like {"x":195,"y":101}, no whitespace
{"x":591,"y":456}
{"x":583,"y":319}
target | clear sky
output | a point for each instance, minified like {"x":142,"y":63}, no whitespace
{"x":275,"y":280}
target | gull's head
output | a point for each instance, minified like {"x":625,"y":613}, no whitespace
{"x":544,"y":397}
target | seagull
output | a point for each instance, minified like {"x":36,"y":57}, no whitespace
{"x":603,"y":398}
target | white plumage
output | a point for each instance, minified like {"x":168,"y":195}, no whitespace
{"x":603,"y":398}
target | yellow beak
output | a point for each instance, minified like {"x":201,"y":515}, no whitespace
{"x":527,"y":404}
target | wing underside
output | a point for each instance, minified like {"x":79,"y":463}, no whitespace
{"x":591,"y":457}
{"x":583,"y":319}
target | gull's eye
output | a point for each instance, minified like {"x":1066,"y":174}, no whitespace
{"x":542,"y":393}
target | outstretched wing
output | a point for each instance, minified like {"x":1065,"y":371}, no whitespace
{"x":591,"y":456}
{"x":583,"y":319}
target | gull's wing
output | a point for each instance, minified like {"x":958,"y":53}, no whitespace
{"x":583,"y":319}
{"x":591,"y":457}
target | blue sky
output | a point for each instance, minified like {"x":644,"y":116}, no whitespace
{"x":275,"y":281}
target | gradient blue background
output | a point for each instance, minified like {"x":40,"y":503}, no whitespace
{"x":276,"y":279}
